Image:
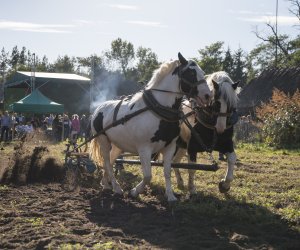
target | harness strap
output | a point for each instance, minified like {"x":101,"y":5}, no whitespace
{"x":194,"y":132}
{"x":116,"y":123}
{"x":166,"y":113}
{"x":205,"y":124}
{"x":117,"y":110}
{"x":227,"y":114}
{"x":193,"y":84}
{"x":208,"y":125}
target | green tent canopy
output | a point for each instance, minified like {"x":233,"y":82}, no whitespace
{"x":36,"y":103}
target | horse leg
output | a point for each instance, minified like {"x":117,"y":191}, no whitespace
{"x":177,"y":158}
{"x":114,"y":153}
{"x":168,"y":154}
{"x":191,"y":184}
{"x":106,"y":184}
{"x":108,"y":174}
{"x":145,"y":159}
{"x":224,"y":185}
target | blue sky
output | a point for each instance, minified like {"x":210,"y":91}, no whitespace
{"x":80,"y":28}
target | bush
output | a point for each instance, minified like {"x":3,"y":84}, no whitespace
{"x":281,"y":120}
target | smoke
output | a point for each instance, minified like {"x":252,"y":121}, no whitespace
{"x":105,"y":88}
{"x":110,"y":85}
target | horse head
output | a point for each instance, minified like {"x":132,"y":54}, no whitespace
{"x":224,"y":98}
{"x":192,"y":81}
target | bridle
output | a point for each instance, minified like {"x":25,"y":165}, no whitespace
{"x":192,"y":85}
{"x":179,"y":70}
{"x":208,"y":116}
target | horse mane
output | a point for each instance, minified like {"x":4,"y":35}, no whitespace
{"x":161,"y":72}
{"x":224,"y":81}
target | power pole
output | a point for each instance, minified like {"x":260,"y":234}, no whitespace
{"x":32,"y":78}
{"x":92,"y":82}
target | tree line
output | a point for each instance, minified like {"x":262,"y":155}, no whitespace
{"x":274,"y":50}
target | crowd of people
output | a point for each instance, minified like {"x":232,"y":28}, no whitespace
{"x":57,"y":127}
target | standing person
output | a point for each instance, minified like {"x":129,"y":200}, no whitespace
{"x":75,"y":125}
{"x":83,"y":126}
{"x":55,"y":129}
{"x":6,"y":124}
{"x":50,"y":120}
{"x":14,"y":123}
{"x":67,"y":126}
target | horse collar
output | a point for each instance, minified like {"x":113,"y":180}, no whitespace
{"x":166,"y":113}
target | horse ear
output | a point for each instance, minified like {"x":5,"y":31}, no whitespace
{"x":235,"y":85}
{"x":216,"y":85}
{"x":182,"y":60}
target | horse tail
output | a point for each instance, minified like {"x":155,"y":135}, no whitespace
{"x":95,"y":154}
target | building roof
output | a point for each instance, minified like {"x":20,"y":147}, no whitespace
{"x":261,"y":88}
{"x":21,"y":79}
{"x":66,"y":76}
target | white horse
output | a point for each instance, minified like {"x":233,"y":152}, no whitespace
{"x":154,"y":128}
{"x":214,"y":126}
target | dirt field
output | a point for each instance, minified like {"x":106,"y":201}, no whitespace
{"x":36,"y":212}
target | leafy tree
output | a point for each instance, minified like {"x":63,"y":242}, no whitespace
{"x":227,"y":63}
{"x":4,"y":60}
{"x":211,"y":57}
{"x":147,"y":63}
{"x":295,"y":52}
{"x":29,"y":59}
{"x":281,"y":49}
{"x":295,"y":8}
{"x":122,"y":52}
{"x":63,"y":64}
{"x":239,"y":65}
{"x":92,"y":62}
{"x":42,"y":66}
{"x":22,"y":58}
{"x":260,"y":58}
{"x":14,"y":57}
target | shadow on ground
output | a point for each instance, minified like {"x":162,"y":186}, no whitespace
{"x":200,"y":222}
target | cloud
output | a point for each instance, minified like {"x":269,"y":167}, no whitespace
{"x":84,"y":22}
{"x":34,"y":27}
{"x":281,"y":20}
{"x":150,"y":24}
{"x":249,"y":12}
{"x":124,"y":7}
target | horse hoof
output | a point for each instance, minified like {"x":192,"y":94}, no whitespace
{"x":222,"y":188}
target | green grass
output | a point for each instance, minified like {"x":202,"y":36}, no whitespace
{"x":266,"y":185}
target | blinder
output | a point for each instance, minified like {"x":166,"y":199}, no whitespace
{"x":187,"y":86}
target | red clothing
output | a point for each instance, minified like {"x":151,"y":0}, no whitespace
{"x":75,"y":125}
